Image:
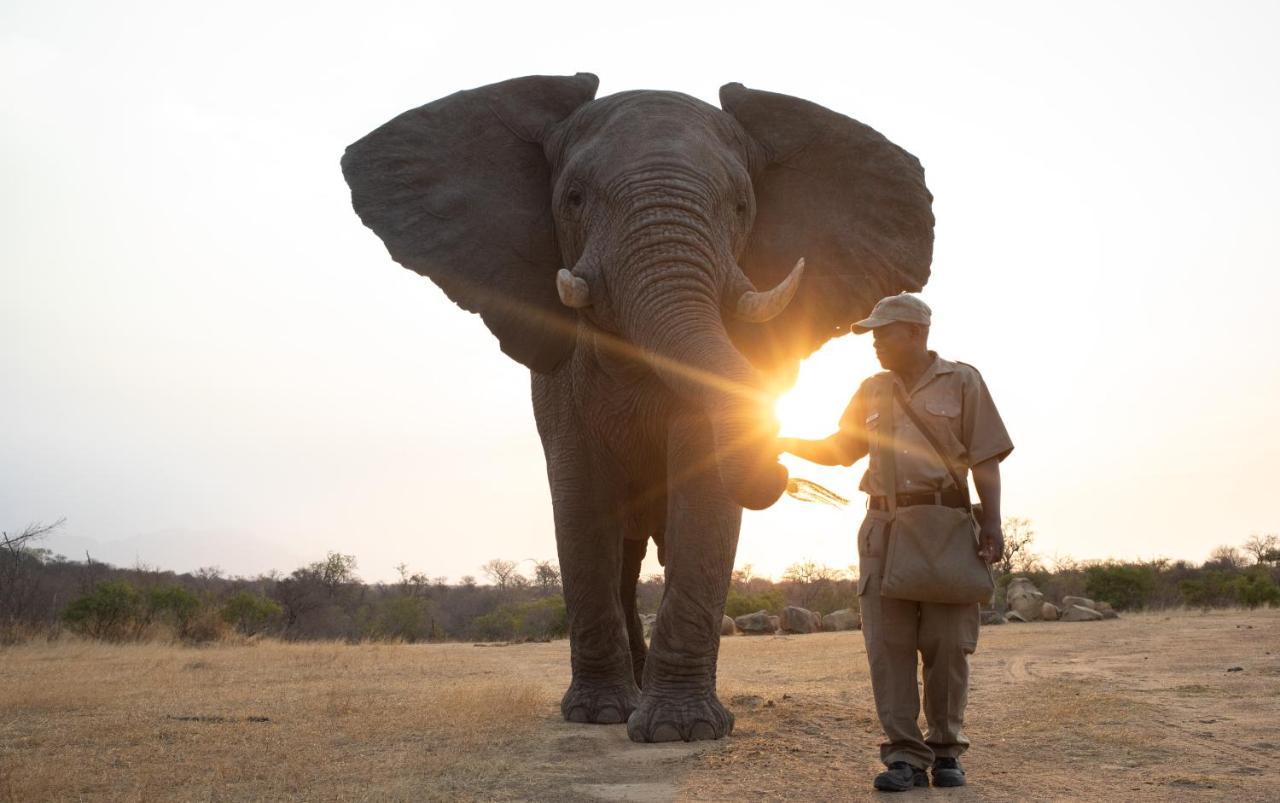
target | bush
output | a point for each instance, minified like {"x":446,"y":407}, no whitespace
{"x":738,"y":604}
{"x":248,"y":612}
{"x":174,"y":603}
{"x":1256,"y":588}
{"x":543,"y":618}
{"x":403,"y":618}
{"x":1213,"y":589}
{"x":111,"y":612}
{"x":1126,"y":586}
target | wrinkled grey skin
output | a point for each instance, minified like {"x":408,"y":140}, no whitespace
{"x":651,"y":401}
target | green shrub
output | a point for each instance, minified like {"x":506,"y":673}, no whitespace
{"x":1126,"y":586}
{"x":1213,"y":589}
{"x":497,"y":625}
{"x":542,"y":618}
{"x":174,"y":603}
{"x":1256,"y":587}
{"x":248,"y":612}
{"x":112,"y":611}
{"x":738,"y":604}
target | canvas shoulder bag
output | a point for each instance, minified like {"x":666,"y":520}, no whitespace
{"x":932,"y":550}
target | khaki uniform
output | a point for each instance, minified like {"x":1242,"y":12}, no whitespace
{"x":953,"y":401}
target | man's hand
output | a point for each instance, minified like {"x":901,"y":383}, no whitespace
{"x":991,"y":543}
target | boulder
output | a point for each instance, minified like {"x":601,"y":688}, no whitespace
{"x":1049,"y":612}
{"x":775,"y":623}
{"x":1023,"y":597}
{"x":799,"y":620}
{"x":993,"y":618}
{"x":1106,"y":610}
{"x":843,"y":619}
{"x":756,"y":624}
{"x":1079,"y":613}
{"x":1013,"y":616}
{"x":726,"y":626}
{"x":1083,"y":602}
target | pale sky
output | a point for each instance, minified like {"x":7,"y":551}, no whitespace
{"x":206,"y":358}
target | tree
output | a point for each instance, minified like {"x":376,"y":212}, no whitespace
{"x":20,"y":563}
{"x":1227,"y":558}
{"x":810,"y":579}
{"x":1262,"y":547}
{"x":1018,"y":535}
{"x":502,"y":573}
{"x":1127,"y":586}
{"x":546,"y":576}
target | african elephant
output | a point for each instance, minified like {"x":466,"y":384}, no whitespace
{"x":614,"y":247}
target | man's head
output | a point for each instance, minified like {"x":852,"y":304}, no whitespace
{"x":900,"y":327}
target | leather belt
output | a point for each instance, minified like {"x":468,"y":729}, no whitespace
{"x":951,"y":498}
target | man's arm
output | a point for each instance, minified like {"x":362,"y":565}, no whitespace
{"x":986,"y":477}
{"x":841,"y":449}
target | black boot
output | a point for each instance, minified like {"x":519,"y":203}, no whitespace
{"x":900,"y":777}
{"x":947,"y":772}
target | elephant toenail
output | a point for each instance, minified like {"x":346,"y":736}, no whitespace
{"x":665,"y":732}
{"x":577,"y":714}
{"x":702,"y":730}
{"x":608,"y":715}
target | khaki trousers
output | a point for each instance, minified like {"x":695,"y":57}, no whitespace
{"x":894,"y":631}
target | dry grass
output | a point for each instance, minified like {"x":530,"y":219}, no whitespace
{"x":1141,"y":708}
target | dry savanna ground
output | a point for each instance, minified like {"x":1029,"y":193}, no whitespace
{"x":1144,"y":707}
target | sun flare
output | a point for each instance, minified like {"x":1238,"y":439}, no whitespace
{"x":828,"y":379}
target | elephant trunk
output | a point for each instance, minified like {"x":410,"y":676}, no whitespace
{"x":676,"y":321}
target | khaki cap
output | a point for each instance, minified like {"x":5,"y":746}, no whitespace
{"x":902,"y":308}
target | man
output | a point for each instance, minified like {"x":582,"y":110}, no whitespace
{"x":952,"y":401}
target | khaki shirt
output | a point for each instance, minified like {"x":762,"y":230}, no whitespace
{"x":952,"y":401}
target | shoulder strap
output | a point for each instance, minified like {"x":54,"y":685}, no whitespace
{"x":906,"y":408}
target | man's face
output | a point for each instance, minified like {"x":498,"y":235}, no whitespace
{"x":897,"y":344}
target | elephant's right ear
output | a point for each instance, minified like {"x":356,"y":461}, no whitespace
{"x":459,"y":190}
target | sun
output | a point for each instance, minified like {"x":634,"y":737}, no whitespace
{"x":828,"y":379}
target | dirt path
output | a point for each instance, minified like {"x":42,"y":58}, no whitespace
{"x":1143,"y":708}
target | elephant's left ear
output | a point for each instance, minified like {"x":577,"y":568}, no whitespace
{"x":845,"y":198}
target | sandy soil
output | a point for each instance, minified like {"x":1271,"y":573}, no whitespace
{"x":1139,"y":708}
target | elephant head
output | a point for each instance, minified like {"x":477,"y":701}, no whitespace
{"x":669,"y":230}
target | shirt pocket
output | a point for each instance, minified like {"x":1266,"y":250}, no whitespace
{"x":943,"y":408}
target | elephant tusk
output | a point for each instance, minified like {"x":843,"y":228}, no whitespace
{"x":574,"y":290}
{"x":755,"y":307}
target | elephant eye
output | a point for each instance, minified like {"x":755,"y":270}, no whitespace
{"x":742,"y":206}
{"x":573,"y":197}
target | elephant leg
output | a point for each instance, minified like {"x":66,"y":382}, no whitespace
{"x":585,"y":499}
{"x":679,"y":700}
{"x":633,"y":551}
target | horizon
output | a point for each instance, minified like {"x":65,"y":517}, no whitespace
{"x":203,"y":343}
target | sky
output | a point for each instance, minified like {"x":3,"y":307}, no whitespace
{"x":208,"y":360}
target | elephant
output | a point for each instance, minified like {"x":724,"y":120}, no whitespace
{"x":615,"y":246}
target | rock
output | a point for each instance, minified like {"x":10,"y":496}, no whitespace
{"x":798,"y":620}
{"x":759,"y":623}
{"x":1106,"y":610}
{"x":727,"y":627}
{"x":993,"y":618}
{"x":775,"y":623}
{"x":1079,"y":613}
{"x":1023,"y":596}
{"x":843,"y":619}
{"x":1013,"y":616}
{"x":1049,"y":612}
{"x":1235,"y":669}
{"x":1083,"y":602}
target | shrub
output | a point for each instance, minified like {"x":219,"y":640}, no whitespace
{"x":737,"y":604}
{"x":1214,"y":588}
{"x":1126,"y":586}
{"x":175,"y":603}
{"x":248,"y":612}
{"x":111,"y":611}
{"x":1256,"y":588}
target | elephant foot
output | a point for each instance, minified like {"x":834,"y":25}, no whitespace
{"x":601,"y":703}
{"x":661,"y":718}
